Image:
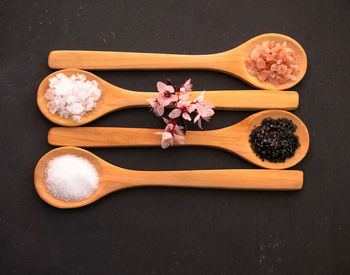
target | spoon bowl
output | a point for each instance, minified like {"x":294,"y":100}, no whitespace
{"x":239,"y":69}
{"x":113,"y":178}
{"x":114,"y":98}
{"x":234,"y":139}
{"x":40,"y":174}
{"x":247,"y":125}
{"x":231,"y":62}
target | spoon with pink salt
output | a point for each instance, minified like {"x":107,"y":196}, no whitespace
{"x":234,"y":62}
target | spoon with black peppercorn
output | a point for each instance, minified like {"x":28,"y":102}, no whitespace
{"x":234,"y":139}
{"x":231,"y":62}
{"x":113,"y":178}
{"x":114,"y":98}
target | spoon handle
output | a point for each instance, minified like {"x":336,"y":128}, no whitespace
{"x":100,"y":60}
{"x":121,"y":137}
{"x":231,"y":100}
{"x":258,"y":179}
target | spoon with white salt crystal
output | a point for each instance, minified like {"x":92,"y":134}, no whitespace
{"x":232,"y":62}
{"x":113,"y":98}
{"x":110,"y":178}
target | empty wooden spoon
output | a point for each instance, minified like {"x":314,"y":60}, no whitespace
{"x":113,"y":178}
{"x":234,"y":139}
{"x":114,"y":98}
{"x":231,"y":62}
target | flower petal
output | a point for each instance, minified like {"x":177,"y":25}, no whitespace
{"x":173,"y":98}
{"x":184,"y":95}
{"x":188,"y":85}
{"x":209,"y":112}
{"x":183,"y":104}
{"x":200,"y":97}
{"x":158,"y":110}
{"x":169,"y":88}
{"x":186,"y":116}
{"x":165,"y":144}
{"x":178,"y":130}
{"x":164,"y":101}
{"x":180,"y":104}
{"x":179,"y":139}
{"x":196,"y":118}
{"x":204,"y":109}
{"x":169,"y":127}
{"x":200,"y":123}
{"x":167,"y":135}
{"x":191,"y":108}
{"x":151,"y":101}
{"x":209,"y":104}
{"x":175,"y":113}
{"x":167,"y":140}
{"x":161,"y":86}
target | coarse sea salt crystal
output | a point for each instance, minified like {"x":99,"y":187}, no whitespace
{"x":72,"y":96}
{"x":71,"y":178}
{"x":273,"y":62}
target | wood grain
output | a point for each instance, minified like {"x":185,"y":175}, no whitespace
{"x":114,"y":98}
{"x":234,"y":139}
{"x":113,"y":178}
{"x":231,"y":62}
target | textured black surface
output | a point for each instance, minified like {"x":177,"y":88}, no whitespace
{"x":274,"y":139}
{"x":175,"y":231}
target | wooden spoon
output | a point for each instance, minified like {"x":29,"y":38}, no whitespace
{"x":114,"y":98}
{"x":113,"y":178}
{"x":231,"y":62}
{"x":234,"y":139}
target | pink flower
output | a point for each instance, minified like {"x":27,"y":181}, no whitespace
{"x":167,"y":139}
{"x":183,"y":95}
{"x":166,"y":94}
{"x":156,"y":107}
{"x":172,"y":132}
{"x":204,"y":110}
{"x":187,"y":87}
{"x":184,"y":108}
{"x":184,"y":89}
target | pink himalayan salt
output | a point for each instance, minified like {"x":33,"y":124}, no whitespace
{"x":273,"y":62}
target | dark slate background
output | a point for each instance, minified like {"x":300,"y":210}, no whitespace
{"x":173,"y":230}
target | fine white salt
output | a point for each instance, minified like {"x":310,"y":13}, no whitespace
{"x":71,"y":178}
{"x":72,"y":96}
